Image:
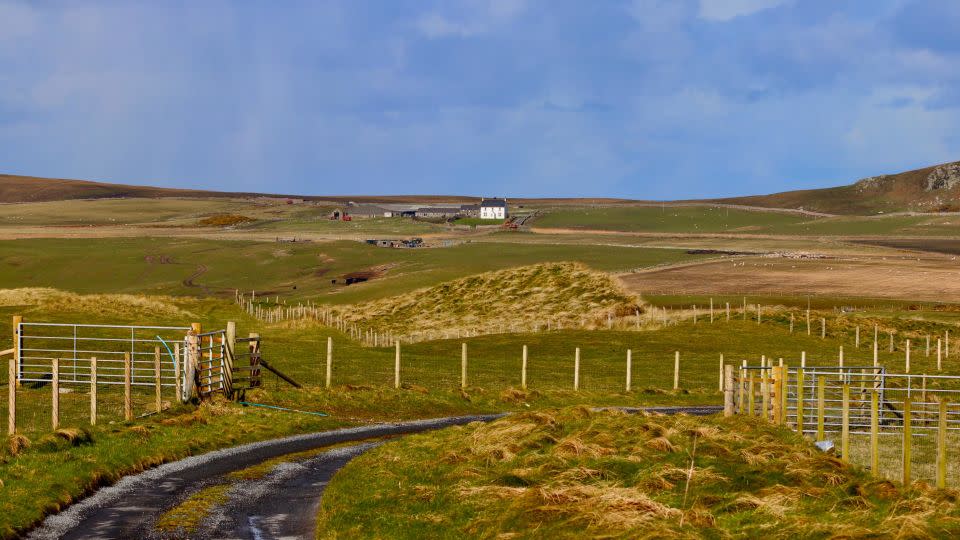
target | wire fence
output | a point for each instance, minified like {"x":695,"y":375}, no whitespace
{"x":899,"y":425}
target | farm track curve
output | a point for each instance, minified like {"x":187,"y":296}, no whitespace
{"x":281,"y":504}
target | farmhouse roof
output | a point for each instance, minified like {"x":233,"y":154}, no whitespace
{"x":367,"y":209}
{"x":495,"y":203}
{"x":438,"y":210}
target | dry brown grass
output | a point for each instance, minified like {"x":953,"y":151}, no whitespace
{"x":569,"y":295}
{"x":122,"y":305}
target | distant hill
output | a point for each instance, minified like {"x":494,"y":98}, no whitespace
{"x":935,"y":188}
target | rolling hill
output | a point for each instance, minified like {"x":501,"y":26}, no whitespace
{"x":930,"y":189}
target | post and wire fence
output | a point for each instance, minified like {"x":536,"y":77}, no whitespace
{"x":900,"y":426}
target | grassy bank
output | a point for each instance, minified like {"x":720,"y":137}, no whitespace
{"x":575,"y":473}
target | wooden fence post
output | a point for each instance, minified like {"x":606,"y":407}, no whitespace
{"x":229,"y":340}
{"x":55,"y":393}
{"x":328,"y":379}
{"x":728,"y":311}
{"x":156,"y":379}
{"x":777,"y":376}
{"x":629,"y":367}
{"x":127,"y":387}
{"x":876,"y":354}
{"x":93,"y":391}
{"x":463,"y":365}
{"x":523,"y":369}
{"x":676,"y":370}
{"x":942,"y":446}
{"x":396,"y":366}
{"x":808,"y":321}
{"x":857,"y":338}
{"x":823,"y":328}
{"x":821,"y":390}
{"x":728,"y":408}
{"x":907,"y":358}
{"x":841,"y":356}
{"x":907,"y":440}
{"x":17,"y":319}
{"x":803,"y":359}
{"x":801,"y":391}
{"x":576,"y":370}
{"x":741,"y":386}
{"x":721,"y":373}
{"x":12,"y":397}
{"x":791,"y":323}
{"x":845,"y":425}
{"x":765,"y":394}
{"x":178,"y":372}
{"x":875,"y":433}
{"x":939,"y":355}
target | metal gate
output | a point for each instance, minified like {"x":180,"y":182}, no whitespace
{"x":38,"y":344}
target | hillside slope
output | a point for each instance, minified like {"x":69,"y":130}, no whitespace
{"x":561,"y":294}
{"x":921,"y":190}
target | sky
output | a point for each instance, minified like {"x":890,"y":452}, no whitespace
{"x":648,"y":99}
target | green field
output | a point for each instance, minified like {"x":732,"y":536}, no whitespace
{"x":293,"y":270}
{"x":711,"y":220}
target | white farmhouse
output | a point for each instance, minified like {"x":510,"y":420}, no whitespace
{"x":493,"y":209}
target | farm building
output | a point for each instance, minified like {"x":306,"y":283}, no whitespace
{"x":470,"y":210}
{"x":361,"y":211}
{"x":493,"y":209}
{"x":438,"y":212}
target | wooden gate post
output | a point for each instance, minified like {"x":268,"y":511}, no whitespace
{"x":229,"y":350}
{"x":127,"y":387}
{"x":728,"y":409}
{"x":801,"y":391}
{"x":178,"y":372}
{"x":751,"y":399}
{"x":396,"y":366}
{"x":463,"y":365}
{"x":12,"y":397}
{"x":821,"y":390}
{"x":523,"y":369}
{"x":942,"y":446}
{"x":777,"y":376}
{"x":55,"y":393}
{"x":156,"y":379}
{"x":845,"y":425}
{"x":17,"y":319}
{"x":907,"y":440}
{"x":329,"y":372}
{"x":629,"y":368}
{"x":93,"y":391}
{"x":576,"y":370}
{"x":875,"y":433}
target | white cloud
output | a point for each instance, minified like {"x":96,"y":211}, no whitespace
{"x":477,"y":17}
{"x":725,"y":10}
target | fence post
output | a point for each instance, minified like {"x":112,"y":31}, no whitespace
{"x":728,"y":408}
{"x":728,"y":311}
{"x":721,"y":372}
{"x":823,"y":328}
{"x":821,"y":390}
{"x":12,"y":397}
{"x":523,"y":369}
{"x":808,"y":321}
{"x":156,"y":378}
{"x":845,"y":425}
{"x":741,"y":386}
{"x":676,"y":370}
{"x":875,"y":433}
{"x":17,"y":319}
{"x":907,"y":361}
{"x":396,"y":366}
{"x":629,"y":367}
{"x":858,"y":336}
{"x":841,"y":356}
{"x":765,"y":394}
{"x":777,"y":375}
{"x":178,"y":372}
{"x":576,"y":369}
{"x":463,"y":366}
{"x":127,"y":387}
{"x":328,"y":379}
{"x":942,"y":446}
{"x":939,"y":355}
{"x":803,"y":359}
{"x":93,"y":391}
{"x":55,"y":394}
{"x":791,"y":323}
{"x":800,"y":396}
{"x":907,"y":440}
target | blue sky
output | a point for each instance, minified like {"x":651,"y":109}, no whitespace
{"x":642,"y":99}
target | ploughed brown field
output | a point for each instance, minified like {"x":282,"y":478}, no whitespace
{"x":929,"y":278}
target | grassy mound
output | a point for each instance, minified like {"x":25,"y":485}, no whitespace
{"x":225,"y":220}
{"x":120,"y":305}
{"x":567,"y":294}
{"x":577,"y":473}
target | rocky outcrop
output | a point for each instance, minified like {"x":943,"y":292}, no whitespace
{"x":944,"y":177}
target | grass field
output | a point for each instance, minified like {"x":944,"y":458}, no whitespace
{"x":292,"y":270}
{"x":710,"y":220}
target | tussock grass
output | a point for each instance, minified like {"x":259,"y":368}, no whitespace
{"x":581,"y":473}
{"x":120,"y":305}
{"x":566,"y":294}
